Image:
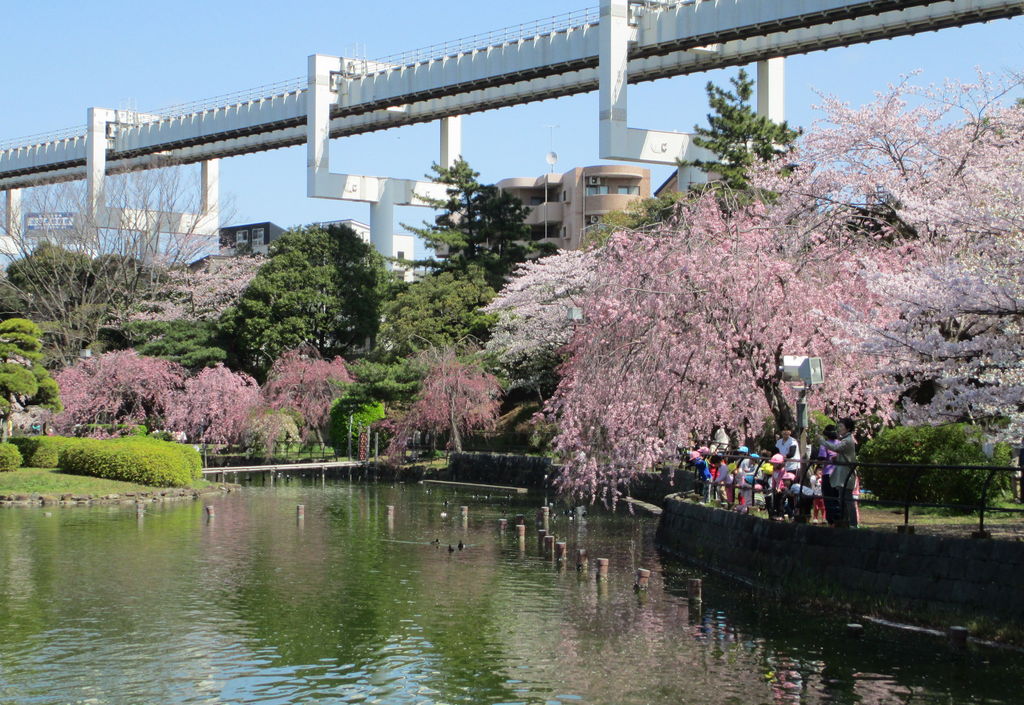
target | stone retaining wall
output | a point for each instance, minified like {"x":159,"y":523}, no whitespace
{"x":921,"y":572}
{"x":531,"y":471}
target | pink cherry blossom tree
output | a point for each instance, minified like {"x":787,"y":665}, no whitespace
{"x":685,"y":330}
{"x":533,"y":316}
{"x":301,"y":380}
{"x":938,"y":172}
{"x":200,"y":295}
{"x":117,"y":388}
{"x":215,"y":405}
{"x":457,"y":397}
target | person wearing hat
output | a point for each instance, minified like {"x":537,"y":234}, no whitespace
{"x":701,"y":475}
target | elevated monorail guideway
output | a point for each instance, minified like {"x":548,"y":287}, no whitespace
{"x":603,"y":49}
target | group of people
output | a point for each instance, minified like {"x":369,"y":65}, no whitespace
{"x":819,"y":489}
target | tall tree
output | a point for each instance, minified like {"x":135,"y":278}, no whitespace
{"x":737,"y":134}
{"x":685,"y":330}
{"x":936,"y":176}
{"x":321,"y":287}
{"x":441,"y":309}
{"x":480,"y":225}
{"x":23,"y":381}
{"x":457,"y":397}
{"x":534,"y":318}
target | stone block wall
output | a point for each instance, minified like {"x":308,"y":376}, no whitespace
{"x":530,"y":471}
{"x":920,"y":572}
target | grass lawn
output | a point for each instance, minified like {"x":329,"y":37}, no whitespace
{"x":53,"y":482}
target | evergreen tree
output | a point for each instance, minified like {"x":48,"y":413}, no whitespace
{"x":737,"y":134}
{"x":481,"y":225}
{"x":23,"y":380}
{"x":321,"y":287}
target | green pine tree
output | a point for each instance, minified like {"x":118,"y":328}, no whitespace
{"x":480,"y":225}
{"x":737,"y":134}
{"x":23,"y":381}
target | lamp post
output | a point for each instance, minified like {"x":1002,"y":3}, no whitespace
{"x":807,"y":371}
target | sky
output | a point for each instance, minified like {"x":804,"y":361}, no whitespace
{"x":59,"y":57}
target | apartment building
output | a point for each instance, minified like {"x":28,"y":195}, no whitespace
{"x":563,"y":206}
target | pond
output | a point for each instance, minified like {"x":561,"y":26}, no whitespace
{"x":254,"y":606}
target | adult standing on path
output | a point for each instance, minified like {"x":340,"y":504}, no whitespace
{"x":790,"y":450}
{"x":844,"y":477}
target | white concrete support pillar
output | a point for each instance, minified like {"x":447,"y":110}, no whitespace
{"x":210,"y":184}
{"x":96,"y":162}
{"x":451,"y":141}
{"x":771,"y":89}
{"x":612,"y":77}
{"x":382,"y":219}
{"x":319,"y":180}
{"x":12,"y":214}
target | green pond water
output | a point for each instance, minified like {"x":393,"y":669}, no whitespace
{"x":253,"y":606}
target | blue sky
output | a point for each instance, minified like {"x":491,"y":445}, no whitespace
{"x":60,"y":57}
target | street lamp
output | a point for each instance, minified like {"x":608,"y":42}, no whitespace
{"x":807,"y":372}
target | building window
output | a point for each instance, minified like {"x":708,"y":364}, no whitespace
{"x":241,"y":236}
{"x":597,"y":190}
{"x":257,"y":236}
{"x":536,"y":200}
{"x":629,"y":190}
{"x":401,"y":254}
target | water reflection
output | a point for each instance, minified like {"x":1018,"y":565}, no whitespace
{"x":354,"y":604}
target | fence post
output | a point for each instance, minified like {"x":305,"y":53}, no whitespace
{"x":981,"y":533}
{"x":915,"y":473}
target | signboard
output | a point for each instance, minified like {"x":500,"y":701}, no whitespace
{"x":35,"y":222}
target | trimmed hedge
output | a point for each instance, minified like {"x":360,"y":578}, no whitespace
{"x":42,"y":451}
{"x":142,"y":460}
{"x":951,"y":444}
{"x":10,"y":458}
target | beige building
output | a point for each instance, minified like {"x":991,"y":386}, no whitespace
{"x":563,"y":206}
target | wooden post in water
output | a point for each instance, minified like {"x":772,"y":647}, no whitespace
{"x":549,"y":546}
{"x":502,"y":524}
{"x":695,"y":588}
{"x":300,"y":511}
{"x":602,"y":568}
{"x":541,"y":533}
{"x":521,"y":530}
{"x":560,"y":550}
{"x":209,"y":512}
{"x":643,"y":579}
{"x":581,"y":559}
{"x":465,"y":512}
{"x":545,"y":515}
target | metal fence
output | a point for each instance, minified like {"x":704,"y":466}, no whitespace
{"x":911,"y":479}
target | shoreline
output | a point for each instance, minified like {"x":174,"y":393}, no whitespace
{"x":70,"y":499}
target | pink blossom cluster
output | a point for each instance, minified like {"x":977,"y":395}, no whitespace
{"x":456,"y":397}
{"x":685,"y":330}
{"x":216,"y":405}
{"x":201,"y":295}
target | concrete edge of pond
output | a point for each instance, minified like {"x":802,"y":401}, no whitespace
{"x":935,"y":581}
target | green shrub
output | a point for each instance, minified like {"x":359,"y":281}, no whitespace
{"x":952,"y":444}
{"x":41,"y":451}
{"x":133,"y":459}
{"x":363,"y":415}
{"x":10,"y":458}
